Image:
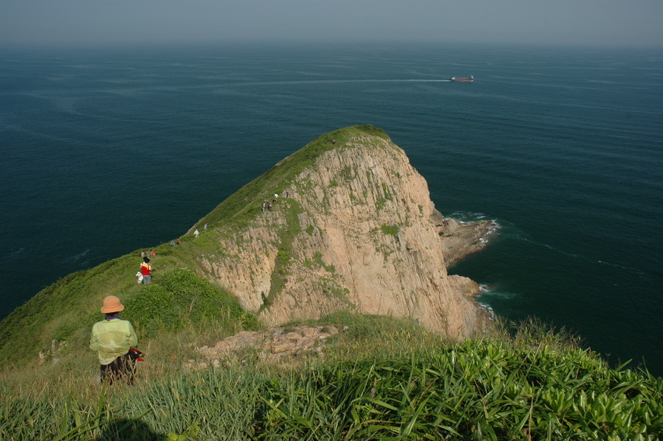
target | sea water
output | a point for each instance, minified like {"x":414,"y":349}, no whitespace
{"x":107,"y":150}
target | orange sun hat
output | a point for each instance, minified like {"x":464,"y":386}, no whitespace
{"x":112,"y":304}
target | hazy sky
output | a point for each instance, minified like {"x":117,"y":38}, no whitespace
{"x":592,"y":22}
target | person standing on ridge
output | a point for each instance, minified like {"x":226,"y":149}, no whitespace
{"x":196,"y":233}
{"x":112,"y":338}
{"x":146,"y":271}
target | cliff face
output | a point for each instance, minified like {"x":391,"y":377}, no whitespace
{"x":359,"y":232}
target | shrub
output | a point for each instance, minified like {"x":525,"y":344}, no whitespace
{"x":388,"y":229}
{"x":180,"y":300}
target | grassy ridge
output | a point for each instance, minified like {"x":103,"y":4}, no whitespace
{"x":381,"y":379}
{"x":57,"y":321}
{"x":60,"y":310}
{"x":238,"y":209}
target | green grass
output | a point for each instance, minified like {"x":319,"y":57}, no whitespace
{"x":381,"y":378}
{"x":287,"y":235}
{"x":183,"y":299}
{"x":389,"y":229}
{"x":479,"y":390}
{"x":66,"y":311}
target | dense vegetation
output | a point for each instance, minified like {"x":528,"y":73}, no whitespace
{"x":379,"y":379}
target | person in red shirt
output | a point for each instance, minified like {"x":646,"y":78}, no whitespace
{"x":146,"y":271}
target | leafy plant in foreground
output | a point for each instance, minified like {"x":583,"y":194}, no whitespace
{"x":480,"y":390}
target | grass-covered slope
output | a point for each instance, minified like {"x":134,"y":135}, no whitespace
{"x":381,"y":379}
{"x":479,"y":390}
{"x":61,"y":315}
{"x":238,"y":209}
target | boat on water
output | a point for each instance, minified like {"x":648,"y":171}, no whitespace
{"x":469,"y":79}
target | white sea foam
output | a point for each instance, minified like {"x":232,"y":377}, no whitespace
{"x":486,"y":293}
{"x":587,"y":259}
{"x":489,"y":309}
{"x":79,"y":256}
{"x":17,"y":252}
{"x":374,"y":80}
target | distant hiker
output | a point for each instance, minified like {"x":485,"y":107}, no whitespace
{"x":276,"y":196}
{"x":269,"y":206}
{"x":263,"y":206}
{"x":177,"y":241}
{"x":142,"y":254}
{"x":196,"y":233}
{"x":172,"y":243}
{"x":146,"y":271}
{"x":287,"y":194}
{"x":205,"y":227}
{"x":139,"y":278}
{"x":112,"y":339}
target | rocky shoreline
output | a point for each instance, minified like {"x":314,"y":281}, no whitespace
{"x":460,"y":239}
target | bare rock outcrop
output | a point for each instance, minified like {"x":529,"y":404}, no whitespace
{"x":459,"y":239}
{"x":357,"y":232}
{"x":276,"y":345}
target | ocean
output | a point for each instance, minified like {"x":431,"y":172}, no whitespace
{"x":108,"y":150}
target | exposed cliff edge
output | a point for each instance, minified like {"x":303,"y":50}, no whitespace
{"x":357,"y":231}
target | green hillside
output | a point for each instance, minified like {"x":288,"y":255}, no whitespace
{"x":381,"y":379}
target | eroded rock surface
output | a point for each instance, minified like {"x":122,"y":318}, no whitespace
{"x":358,"y":232}
{"x":277,"y":345}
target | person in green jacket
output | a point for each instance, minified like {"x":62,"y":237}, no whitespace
{"x":111,"y":339}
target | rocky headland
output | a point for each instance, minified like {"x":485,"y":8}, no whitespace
{"x":357,"y":231}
